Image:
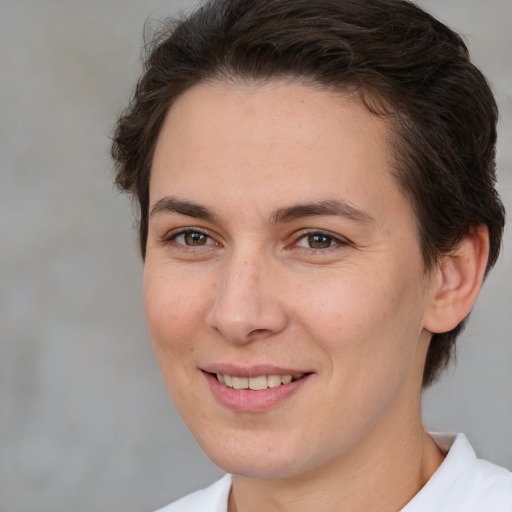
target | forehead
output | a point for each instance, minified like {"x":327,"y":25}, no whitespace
{"x":271,"y":112}
{"x":273,"y":143}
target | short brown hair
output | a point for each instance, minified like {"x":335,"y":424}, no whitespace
{"x":406,"y":66}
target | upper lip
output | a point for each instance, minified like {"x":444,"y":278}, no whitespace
{"x":251,"y":371}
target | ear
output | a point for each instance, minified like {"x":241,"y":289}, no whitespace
{"x":457,"y":282}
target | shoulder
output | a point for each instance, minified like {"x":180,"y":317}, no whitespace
{"x":211,"y":499}
{"x":464,"y":482}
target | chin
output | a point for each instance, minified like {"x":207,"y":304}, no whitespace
{"x":254,"y":457}
{"x":267,"y":467}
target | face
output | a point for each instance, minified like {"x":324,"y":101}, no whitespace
{"x":283,"y":258}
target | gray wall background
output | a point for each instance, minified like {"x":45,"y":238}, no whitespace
{"x":85,"y":421}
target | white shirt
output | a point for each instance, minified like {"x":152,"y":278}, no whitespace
{"x":462,"y":483}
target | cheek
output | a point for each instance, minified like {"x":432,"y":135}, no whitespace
{"x":173,"y":308}
{"x":369,"y":330}
{"x":342,"y":308}
{"x":368,"y":322}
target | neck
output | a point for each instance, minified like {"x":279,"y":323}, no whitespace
{"x":373,"y":476}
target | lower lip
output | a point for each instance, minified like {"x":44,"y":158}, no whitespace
{"x":243,"y":400}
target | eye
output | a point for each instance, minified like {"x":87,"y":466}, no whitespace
{"x":319,"y":240}
{"x":191,"y":238}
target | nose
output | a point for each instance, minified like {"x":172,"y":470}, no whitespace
{"x":247,"y":305}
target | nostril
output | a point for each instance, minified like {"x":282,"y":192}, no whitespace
{"x":256,"y":332}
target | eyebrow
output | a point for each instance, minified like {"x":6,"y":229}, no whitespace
{"x":332,"y":207}
{"x":183,"y":207}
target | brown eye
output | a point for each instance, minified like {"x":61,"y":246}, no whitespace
{"x":192,"y":239}
{"x":319,"y":241}
{"x":195,"y":239}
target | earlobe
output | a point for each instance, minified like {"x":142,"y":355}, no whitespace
{"x":458,"y":280}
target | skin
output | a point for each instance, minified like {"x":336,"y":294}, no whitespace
{"x":354,"y":312}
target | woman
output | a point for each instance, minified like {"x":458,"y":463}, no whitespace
{"x":317,"y":215}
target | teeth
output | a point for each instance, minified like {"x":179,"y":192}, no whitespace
{"x":286,"y":379}
{"x":256,"y":383}
{"x":273,"y":381}
{"x":240,"y":382}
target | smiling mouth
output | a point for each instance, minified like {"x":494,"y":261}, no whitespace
{"x":258,"y":383}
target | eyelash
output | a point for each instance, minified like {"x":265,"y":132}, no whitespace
{"x":334,"y":241}
{"x":172,"y":237}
